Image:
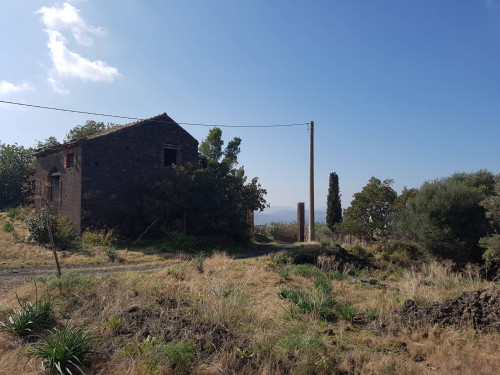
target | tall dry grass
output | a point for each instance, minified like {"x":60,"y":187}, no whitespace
{"x":230,"y":310}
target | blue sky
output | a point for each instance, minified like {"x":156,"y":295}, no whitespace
{"x":408,"y":90}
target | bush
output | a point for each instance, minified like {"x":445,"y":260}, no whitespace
{"x":401,"y":252}
{"x":8,"y":227}
{"x":282,"y":231}
{"x":31,"y":318}
{"x":13,"y":213}
{"x":359,"y":251}
{"x":101,"y":238}
{"x":492,"y":246}
{"x":446,"y":215}
{"x":64,"y":349}
{"x":62,"y":231}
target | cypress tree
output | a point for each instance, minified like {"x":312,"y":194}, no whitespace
{"x":333,"y":204}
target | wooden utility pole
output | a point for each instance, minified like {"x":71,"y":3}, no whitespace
{"x":311,"y":182}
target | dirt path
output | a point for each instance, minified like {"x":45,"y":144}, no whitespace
{"x":11,"y":277}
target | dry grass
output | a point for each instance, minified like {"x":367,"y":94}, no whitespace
{"x":15,"y":252}
{"x":230,"y":309}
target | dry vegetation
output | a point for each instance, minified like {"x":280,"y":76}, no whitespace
{"x":15,"y":252}
{"x":218,"y":315}
{"x":223,"y":316}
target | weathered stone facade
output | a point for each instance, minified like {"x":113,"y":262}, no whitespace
{"x":91,"y":179}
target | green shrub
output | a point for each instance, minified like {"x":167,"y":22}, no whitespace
{"x":282,"y":231}
{"x":13,"y":213}
{"x":115,"y":323}
{"x":62,"y":231}
{"x":401,"y":252}
{"x":8,"y":227}
{"x":101,"y":238}
{"x":30,"y":319}
{"x":183,"y":242}
{"x":64,"y":349}
{"x":282,"y":258}
{"x":347,"y":312}
{"x":359,"y":251}
{"x":111,"y":254}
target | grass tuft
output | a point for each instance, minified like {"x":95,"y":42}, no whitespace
{"x":30,"y":319}
{"x":64,"y":349}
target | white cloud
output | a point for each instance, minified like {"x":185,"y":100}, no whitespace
{"x":8,"y":87}
{"x":67,"y":17}
{"x":66,"y":63}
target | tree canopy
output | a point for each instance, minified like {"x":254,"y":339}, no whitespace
{"x":91,"y":127}
{"x":17,"y":166}
{"x":371,"y":208}
{"x":446,"y":215}
{"x":333,"y":203}
{"x":210,"y":148}
{"x":212,"y":198}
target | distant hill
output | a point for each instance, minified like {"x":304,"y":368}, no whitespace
{"x":287,"y":215}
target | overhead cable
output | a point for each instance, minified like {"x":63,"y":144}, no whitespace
{"x":141,"y":119}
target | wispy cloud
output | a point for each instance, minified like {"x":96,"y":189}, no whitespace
{"x":66,"y":63}
{"x":67,"y":17}
{"x":7,"y":88}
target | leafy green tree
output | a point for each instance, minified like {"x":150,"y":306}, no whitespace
{"x":371,"y":208}
{"x":446,"y":215}
{"x":401,"y":200}
{"x":49,"y":142}
{"x":491,"y":243}
{"x":333,"y":203}
{"x":90,"y":128}
{"x":210,"y":148}
{"x":207,"y":200}
{"x":17,"y":166}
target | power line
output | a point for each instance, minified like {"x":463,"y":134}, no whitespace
{"x":141,"y":119}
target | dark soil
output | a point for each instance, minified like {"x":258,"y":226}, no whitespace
{"x":479,"y":309}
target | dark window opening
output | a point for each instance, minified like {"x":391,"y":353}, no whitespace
{"x":55,"y":188}
{"x":169,"y":156}
{"x":69,"y":160}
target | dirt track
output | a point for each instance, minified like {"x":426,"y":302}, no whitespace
{"x":11,"y":277}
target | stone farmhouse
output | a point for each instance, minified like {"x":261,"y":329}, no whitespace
{"x":90,"y":179}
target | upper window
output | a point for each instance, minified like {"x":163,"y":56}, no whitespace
{"x":69,"y":158}
{"x":169,"y":156}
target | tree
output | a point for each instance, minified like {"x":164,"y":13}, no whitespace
{"x":17,"y":166}
{"x":371,"y":208}
{"x":210,"y":148}
{"x":333,"y":204}
{"x":446,"y":215}
{"x":212,"y":199}
{"x":491,"y":243}
{"x":90,"y":128}
{"x":48,"y":143}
